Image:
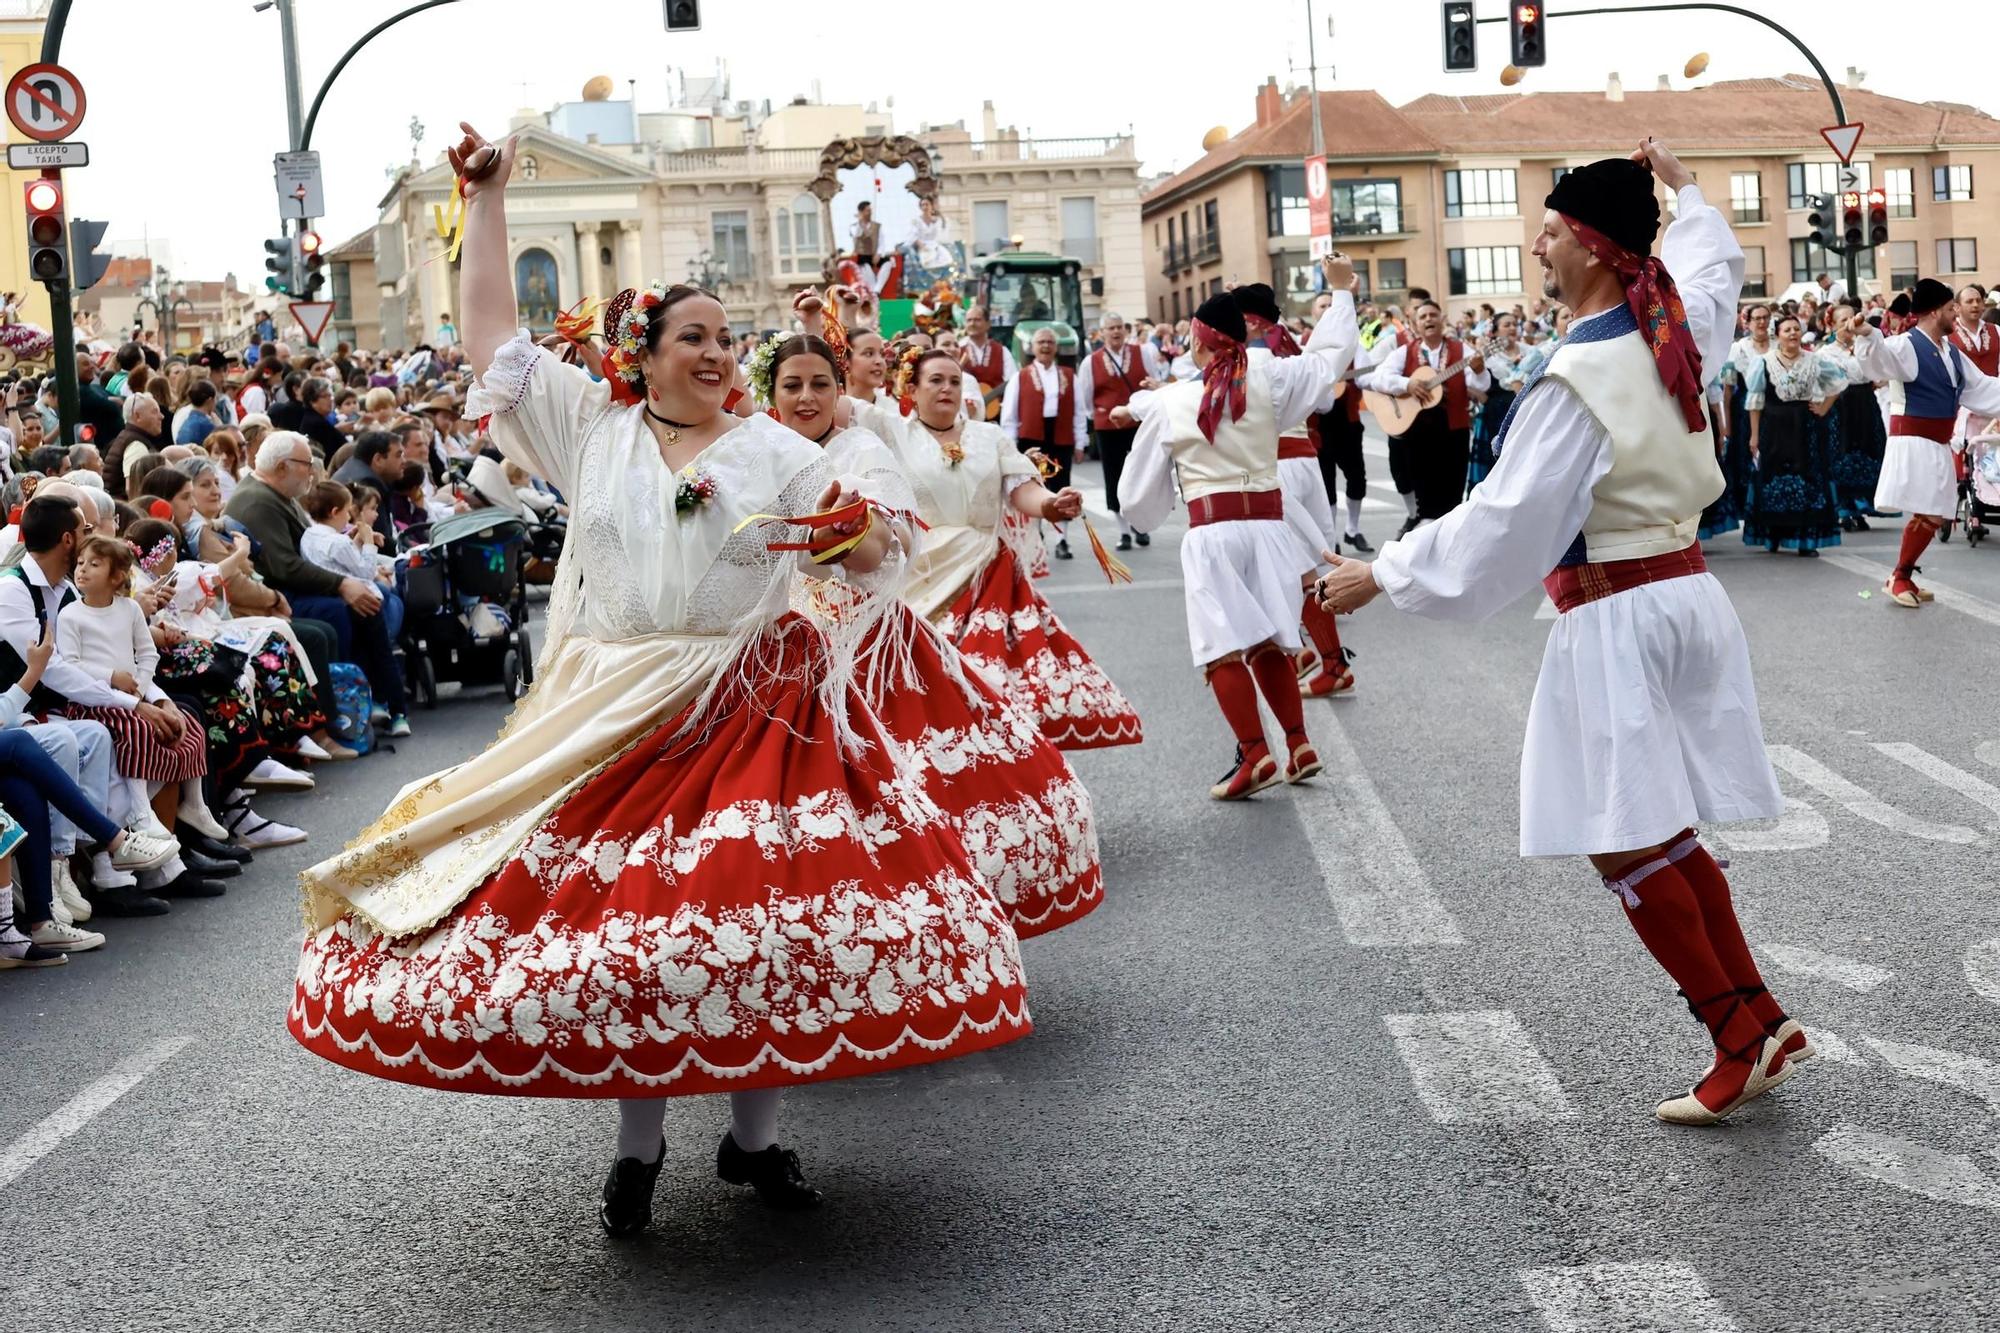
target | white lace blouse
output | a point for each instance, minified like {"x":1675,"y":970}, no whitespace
{"x":971,"y":493}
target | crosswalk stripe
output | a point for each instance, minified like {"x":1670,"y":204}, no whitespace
{"x":1799,"y":828}
{"x":1668,"y":1297}
{"x":1850,"y":973}
{"x":1379,"y":890}
{"x":1988,"y":753}
{"x":1975,"y":789}
{"x":48,"y":1133}
{"x":1478,"y":1068}
{"x":1832,"y":1046}
{"x":1955,"y":599}
{"x":1982,"y":969}
{"x":1829,"y":783}
{"x":1952,"y":1069}
{"x":1061,"y":591}
{"x":1946,"y":1177}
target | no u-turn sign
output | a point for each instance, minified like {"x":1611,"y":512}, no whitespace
{"x":45,"y":102}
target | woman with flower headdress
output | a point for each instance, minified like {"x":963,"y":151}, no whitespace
{"x":969,"y":579}
{"x":690,"y":863}
{"x":1022,"y":814}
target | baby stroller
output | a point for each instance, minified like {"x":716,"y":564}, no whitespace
{"x":467,"y":609}
{"x":1979,"y":486}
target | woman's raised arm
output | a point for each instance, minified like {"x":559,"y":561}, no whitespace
{"x":486,"y":279}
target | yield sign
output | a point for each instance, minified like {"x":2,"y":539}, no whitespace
{"x":313,"y":317}
{"x":45,"y":102}
{"x":1842,"y":139}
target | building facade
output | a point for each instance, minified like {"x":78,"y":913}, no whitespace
{"x":724,"y":200}
{"x":356,"y":296}
{"x":1445,"y":193}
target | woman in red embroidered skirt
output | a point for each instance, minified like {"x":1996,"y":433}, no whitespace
{"x":969,"y":580}
{"x":690,"y":863}
{"x":1022,"y":814}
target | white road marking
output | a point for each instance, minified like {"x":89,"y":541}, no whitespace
{"x":1964,"y":602}
{"x":1659,"y":1297}
{"x":1982,"y":969}
{"x":1988,"y":752}
{"x":1849,"y":972}
{"x":1975,"y":789}
{"x":1832,"y":1046}
{"x":1061,"y":590}
{"x":1379,"y":891}
{"x":1798,"y":828}
{"x":48,"y":1133}
{"x":1952,"y":1069}
{"x":1946,"y":1177}
{"x":1547,"y":610}
{"x":1829,"y":783}
{"x":1478,"y":1068}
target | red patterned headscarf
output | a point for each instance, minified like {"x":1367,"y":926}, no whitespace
{"x":1656,"y":304}
{"x":1276,"y":337}
{"x":1223,"y":378}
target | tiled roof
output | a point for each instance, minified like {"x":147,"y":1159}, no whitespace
{"x":1356,"y":124}
{"x":1743,"y":113}
{"x":361,"y":245}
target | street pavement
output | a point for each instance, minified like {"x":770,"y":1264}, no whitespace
{"x":1335,"y":1058}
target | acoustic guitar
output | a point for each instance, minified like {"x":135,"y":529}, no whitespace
{"x":1396,"y":415}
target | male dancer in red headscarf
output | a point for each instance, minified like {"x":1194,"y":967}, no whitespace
{"x":1645,"y":716}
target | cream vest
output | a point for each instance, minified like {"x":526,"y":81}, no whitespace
{"x":1244,"y":456}
{"x":1662,"y":474}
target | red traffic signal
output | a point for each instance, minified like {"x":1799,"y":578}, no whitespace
{"x":47,"y":259}
{"x":308,"y":242}
{"x":1524,"y":29}
{"x":1878,"y":218}
{"x":1850,"y":219}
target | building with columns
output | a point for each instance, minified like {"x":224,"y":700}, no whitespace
{"x":721,"y":194}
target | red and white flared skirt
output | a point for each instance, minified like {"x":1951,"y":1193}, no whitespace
{"x":751,"y":909}
{"x":1004,"y":627}
{"x":138,"y":749}
{"x":1022,"y":814}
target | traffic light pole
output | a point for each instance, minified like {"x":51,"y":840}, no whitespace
{"x":62,"y":324}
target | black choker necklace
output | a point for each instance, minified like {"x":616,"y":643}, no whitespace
{"x":822,"y":436}
{"x":674,"y":428}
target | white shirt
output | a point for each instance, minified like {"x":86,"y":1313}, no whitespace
{"x":1149,"y":357}
{"x":1387,"y":376}
{"x":1896,"y":359}
{"x":104,"y":639}
{"x":1488,"y":551}
{"x":19,"y":630}
{"x":254,"y":400}
{"x":336,"y":551}
{"x":1050,"y":379}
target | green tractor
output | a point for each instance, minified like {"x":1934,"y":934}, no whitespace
{"x":1023,"y":291}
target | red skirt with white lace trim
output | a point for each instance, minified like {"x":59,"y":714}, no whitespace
{"x":1004,"y":627}
{"x":1022,"y":814}
{"x":753,"y":909}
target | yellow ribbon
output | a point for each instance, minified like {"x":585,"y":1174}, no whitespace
{"x":451,"y":225}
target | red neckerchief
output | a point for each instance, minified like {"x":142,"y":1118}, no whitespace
{"x":1275,"y":337}
{"x":1222,"y":379}
{"x":1650,"y":291}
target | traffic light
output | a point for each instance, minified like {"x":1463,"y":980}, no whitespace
{"x":47,"y":260}
{"x":281,"y":262}
{"x":1878,"y":218}
{"x":1851,"y":235}
{"x":1524,"y":26}
{"x":683,"y":15}
{"x":1460,"y":34}
{"x":1820,"y":218}
{"x":311,"y":262}
{"x":87,"y":266}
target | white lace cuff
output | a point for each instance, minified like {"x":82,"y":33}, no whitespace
{"x":504,"y":386}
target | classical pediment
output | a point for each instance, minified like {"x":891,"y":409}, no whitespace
{"x":546,"y":158}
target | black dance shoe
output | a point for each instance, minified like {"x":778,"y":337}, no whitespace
{"x":1356,"y":542}
{"x":1062,"y":548}
{"x":1144,"y":538}
{"x":774,"y":1173}
{"x":627,"y":1204}
{"x":190,"y":884}
{"x":1124,"y":541}
{"x":210,"y":848}
{"x":209,"y":867}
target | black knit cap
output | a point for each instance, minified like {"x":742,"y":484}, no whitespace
{"x":1258,"y":301}
{"x":1615,"y":196}
{"x":1219,"y":312}
{"x":1929,"y":295}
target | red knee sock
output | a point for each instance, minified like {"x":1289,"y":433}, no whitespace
{"x":1236,"y":692}
{"x":1718,"y":917}
{"x":1280,"y":685}
{"x":1665,"y":914}
{"x":1917,"y":535}
{"x":1325,"y":635}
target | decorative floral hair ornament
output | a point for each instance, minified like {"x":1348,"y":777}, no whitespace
{"x":161,"y":509}
{"x":625,"y":322}
{"x":905,"y":378}
{"x":762,"y":364}
{"x":158,"y":556}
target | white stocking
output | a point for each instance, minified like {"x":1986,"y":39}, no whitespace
{"x":1353,"y":514}
{"x":753,"y":1118}
{"x":639,"y":1123}
{"x":1410,"y":502}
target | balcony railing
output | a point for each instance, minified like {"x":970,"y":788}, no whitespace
{"x":1037,"y":150}
{"x":738,"y":161}
{"x":1089,"y":249}
{"x":1746,"y":214}
{"x":1176,"y":255}
{"x":1381,"y":224}
{"x":1207,"y":248}
{"x":1757,"y":285}
{"x":751,"y":160}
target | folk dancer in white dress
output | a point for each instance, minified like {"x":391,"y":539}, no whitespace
{"x":1216,"y":440}
{"x":1932,"y":380}
{"x":1322,"y":663}
{"x":690,"y":863}
{"x":1645,"y":716}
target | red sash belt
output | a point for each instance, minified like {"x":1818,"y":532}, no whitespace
{"x":1570,"y":586}
{"x":1296,"y":446}
{"x":1929,"y":428}
{"x":1229,"y":506}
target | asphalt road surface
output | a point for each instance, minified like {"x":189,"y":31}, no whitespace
{"x":1332,"y":1059}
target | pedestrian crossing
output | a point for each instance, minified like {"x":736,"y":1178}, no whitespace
{"x":1669,"y":1297}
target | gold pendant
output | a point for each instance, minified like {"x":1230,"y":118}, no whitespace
{"x":673,"y":437}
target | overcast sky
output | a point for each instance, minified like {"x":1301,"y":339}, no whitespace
{"x":186,"y":109}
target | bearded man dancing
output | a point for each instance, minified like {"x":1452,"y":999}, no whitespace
{"x":1645,"y":716}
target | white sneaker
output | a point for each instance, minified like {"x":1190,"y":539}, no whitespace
{"x":139,"y":850}
{"x":66,"y":891}
{"x":58,"y":909}
{"x":67,"y":939}
{"x":251,"y":830}
{"x":105,"y":875}
{"x":271,"y":773}
{"x":312,"y":751}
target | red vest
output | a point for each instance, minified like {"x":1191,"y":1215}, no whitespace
{"x":988,"y":370}
{"x":1108,"y":388}
{"x":1032,"y":418}
{"x":1988,"y":361}
{"x":1457,"y":403}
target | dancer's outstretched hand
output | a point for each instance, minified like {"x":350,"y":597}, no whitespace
{"x":1348,"y":586}
{"x":483,"y":165}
